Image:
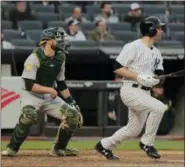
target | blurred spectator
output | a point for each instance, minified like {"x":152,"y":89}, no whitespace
{"x":168,"y":119}
{"x":5,"y":44}
{"x":101,"y":33}
{"x":77,"y":15}
{"x":75,"y":34}
{"x":134,"y":16}
{"x":168,"y":16}
{"x":107,"y":14}
{"x":21,"y":12}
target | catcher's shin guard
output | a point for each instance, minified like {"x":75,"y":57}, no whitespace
{"x":21,"y":130}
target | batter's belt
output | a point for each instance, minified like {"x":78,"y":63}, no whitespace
{"x":142,"y":87}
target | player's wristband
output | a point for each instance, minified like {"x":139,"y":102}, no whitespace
{"x":70,"y":100}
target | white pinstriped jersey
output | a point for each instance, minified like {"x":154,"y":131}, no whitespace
{"x":139,"y":58}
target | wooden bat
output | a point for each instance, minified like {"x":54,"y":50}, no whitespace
{"x":172,"y":75}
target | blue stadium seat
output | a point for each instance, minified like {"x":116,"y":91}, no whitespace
{"x":23,"y":42}
{"x":6,"y":24}
{"x":153,"y":9}
{"x":66,"y":8}
{"x":10,"y":34}
{"x":83,"y":44}
{"x":88,"y":26}
{"x":93,"y":9}
{"x":33,"y":35}
{"x":42,"y":8}
{"x":111,"y":43}
{"x":178,"y":9}
{"x":176,"y":27}
{"x":126,"y":36}
{"x":57,"y":24}
{"x":178,"y":36}
{"x":30,"y":25}
{"x":121,"y":8}
{"x":170,"y":44}
{"x":119,"y":26}
{"x":180,"y":18}
{"x":45,"y":16}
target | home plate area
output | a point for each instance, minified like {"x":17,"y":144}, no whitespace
{"x":89,"y":158}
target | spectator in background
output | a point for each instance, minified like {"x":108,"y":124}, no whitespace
{"x":134,"y":16}
{"x":168,"y":119}
{"x":107,"y":14}
{"x":77,"y":15}
{"x":75,"y":34}
{"x":101,"y":33}
{"x":5,"y":44}
{"x":21,"y":12}
{"x":168,"y":16}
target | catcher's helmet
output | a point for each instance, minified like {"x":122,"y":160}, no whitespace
{"x":149,"y":25}
{"x":57,"y":33}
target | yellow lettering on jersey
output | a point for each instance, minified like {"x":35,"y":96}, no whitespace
{"x":28,"y":67}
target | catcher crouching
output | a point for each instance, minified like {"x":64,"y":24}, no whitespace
{"x":43,"y":68}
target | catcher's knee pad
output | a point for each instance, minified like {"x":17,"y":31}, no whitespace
{"x":29,"y":115}
{"x":70,"y":118}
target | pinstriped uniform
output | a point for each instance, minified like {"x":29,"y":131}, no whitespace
{"x":142,"y":106}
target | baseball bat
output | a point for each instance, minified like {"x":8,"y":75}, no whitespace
{"x":174,"y":74}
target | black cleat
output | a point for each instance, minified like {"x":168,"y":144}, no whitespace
{"x":150,"y":150}
{"x":106,"y":153}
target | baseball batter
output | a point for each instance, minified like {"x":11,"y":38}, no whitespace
{"x":44,"y":67}
{"x":138,"y":63}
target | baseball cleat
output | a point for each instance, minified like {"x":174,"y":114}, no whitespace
{"x":108,"y":154}
{"x":150,"y":150}
{"x":58,"y":152}
{"x":8,"y":152}
{"x":71,"y":152}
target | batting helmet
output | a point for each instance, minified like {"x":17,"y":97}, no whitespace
{"x":148,"y":26}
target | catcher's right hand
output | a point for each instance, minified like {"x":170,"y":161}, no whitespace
{"x":147,"y":80}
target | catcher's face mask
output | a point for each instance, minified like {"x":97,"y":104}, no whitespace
{"x":62,"y":39}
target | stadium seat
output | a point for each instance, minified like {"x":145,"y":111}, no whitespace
{"x":180,"y":18}
{"x":57,"y":24}
{"x":121,"y":9}
{"x":23,"y":42}
{"x":67,"y":15}
{"x":111,"y":43}
{"x":6,"y":24}
{"x":42,"y":8}
{"x":119,"y":26}
{"x":83,"y":44}
{"x":126,"y":36}
{"x":170,"y":44}
{"x":34,"y":35}
{"x":88,"y":26}
{"x":93,"y":9}
{"x":10,"y":34}
{"x":29,"y":25}
{"x":153,"y":9}
{"x":44,"y":17}
{"x":66,"y":8}
{"x":179,"y":36}
{"x":178,"y":9}
{"x":176,"y":27}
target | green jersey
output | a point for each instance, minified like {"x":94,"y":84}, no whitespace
{"x":45,"y":70}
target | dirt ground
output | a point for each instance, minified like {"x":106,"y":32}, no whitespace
{"x":89,"y":158}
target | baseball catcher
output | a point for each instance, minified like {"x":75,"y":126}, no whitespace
{"x":42,"y":69}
